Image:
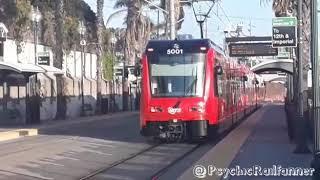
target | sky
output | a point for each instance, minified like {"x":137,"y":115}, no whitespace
{"x":225,"y":14}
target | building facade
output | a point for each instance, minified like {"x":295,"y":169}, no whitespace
{"x":13,"y":94}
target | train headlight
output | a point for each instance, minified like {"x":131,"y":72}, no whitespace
{"x":155,"y":109}
{"x":198,"y":108}
{"x":201,"y":104}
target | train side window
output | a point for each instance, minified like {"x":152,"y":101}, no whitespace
{"x":220,"y":85}
{"x":219,"y":81}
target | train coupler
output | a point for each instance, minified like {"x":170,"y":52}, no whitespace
{"x":173,"y":132}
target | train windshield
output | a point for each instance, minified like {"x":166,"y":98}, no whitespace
{"x":177,"y":75}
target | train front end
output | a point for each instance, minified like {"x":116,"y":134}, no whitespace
{"x":175,"y":90}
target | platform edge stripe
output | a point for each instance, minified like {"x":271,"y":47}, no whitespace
{"x":214,"y":157}
{"x":9,"y":135}
{"x":27,"y":132}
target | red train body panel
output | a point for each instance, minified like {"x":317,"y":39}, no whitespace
{"x":189,"y":88}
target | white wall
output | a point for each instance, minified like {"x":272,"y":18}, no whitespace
{"x":72,"y":61}
{"x":71,"y":64}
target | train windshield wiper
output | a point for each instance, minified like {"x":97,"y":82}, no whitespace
{"x":190,"y":87}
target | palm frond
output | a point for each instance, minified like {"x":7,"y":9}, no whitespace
{"x":264,"y":2}
{"x":115,"y":14}
{"x":161,"y":25}
{"x":186,"y":4}
{"x":181,"y":16}
{"x":163,"y":4}
{"x":121,"y":4}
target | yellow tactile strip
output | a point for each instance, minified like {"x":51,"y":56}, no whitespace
{"x":17,"y":133}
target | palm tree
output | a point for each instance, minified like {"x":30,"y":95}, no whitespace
{"x":58,"y":54}
{"x":179,"y":12}
{"x":99,"y":24}
{"x":138,"y":28}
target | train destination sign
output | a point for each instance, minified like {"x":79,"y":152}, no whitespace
{"x":252,"y":49}
{"x":284,"y":32}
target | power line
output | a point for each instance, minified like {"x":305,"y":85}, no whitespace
{"x":219,"y":18}
{"x":250,"y":18}
{"x":224,"y":12}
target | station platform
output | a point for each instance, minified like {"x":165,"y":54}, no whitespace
{"x":260,"y":143}
{"x":18,"y":131}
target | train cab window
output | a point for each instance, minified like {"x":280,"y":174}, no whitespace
{"x":180,"y":75}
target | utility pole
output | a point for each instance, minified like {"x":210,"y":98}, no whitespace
{"x":302,"y":147}
{"x":315,"y":88}
{"x":172,"y":21}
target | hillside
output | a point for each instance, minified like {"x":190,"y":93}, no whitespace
{"x":16,"y":15}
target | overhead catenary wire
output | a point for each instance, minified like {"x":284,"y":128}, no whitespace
{"x":224,"y":12}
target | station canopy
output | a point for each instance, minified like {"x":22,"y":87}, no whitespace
{"x":15,"y":73}
{"x":21,"y":68}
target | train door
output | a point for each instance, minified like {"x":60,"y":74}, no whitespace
{"x":228,"y":93}
{"x":219,"y":87}
{"x":233,"y":95}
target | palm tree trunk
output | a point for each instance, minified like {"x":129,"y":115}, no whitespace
{"x":58,"y":53}
{"x":306,"y":35}
{"x":100,"y":4}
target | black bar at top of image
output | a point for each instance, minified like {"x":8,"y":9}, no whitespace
{"x":251,"y":38}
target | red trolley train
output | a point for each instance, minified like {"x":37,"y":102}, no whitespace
{"x":191,"y":90}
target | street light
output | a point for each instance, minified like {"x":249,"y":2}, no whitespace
{"x":120,"y":57}
{"x":82,"y":31}
{"x":201,"y":10}
{"x":124,"y":85}
{"x":113,"y":43}
{"x":35,"y":16}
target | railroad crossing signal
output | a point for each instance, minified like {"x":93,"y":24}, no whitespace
{"x":284,"y":32}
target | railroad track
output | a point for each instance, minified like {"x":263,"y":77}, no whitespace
{"x":91,"y":175}
{"x":162,"y":170}
{"x":141,"y":153}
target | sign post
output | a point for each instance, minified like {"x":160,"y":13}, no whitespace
{"x":284,"y":32}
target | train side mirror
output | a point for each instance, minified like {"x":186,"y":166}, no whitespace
{"x":219,"y":70}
